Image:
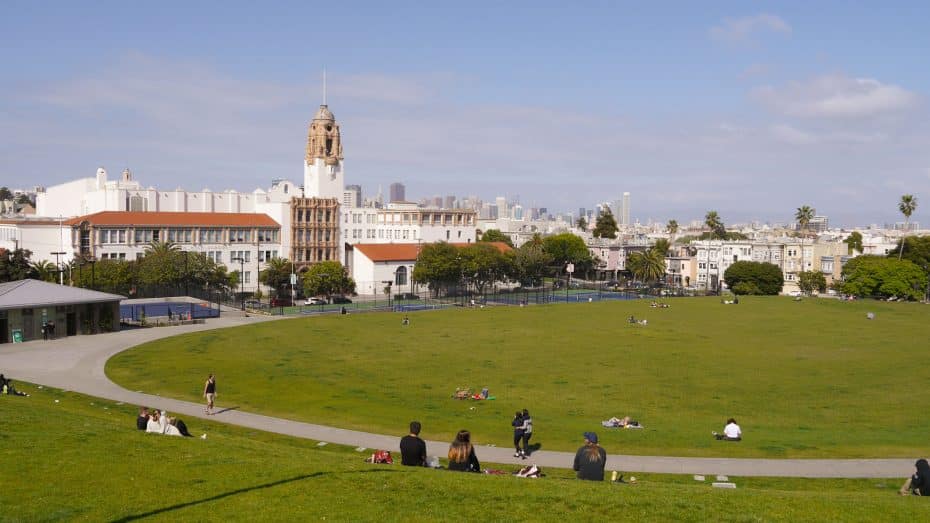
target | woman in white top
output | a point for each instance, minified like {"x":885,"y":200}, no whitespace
{"x":731,"y":432}
{"x":153,"y":425}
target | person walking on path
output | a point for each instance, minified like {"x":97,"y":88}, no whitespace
{"x":590,"y":459}
{"x":527,"y":432}
{"x":209,"y":392}
{"x":412,"y":448}
{"x":517,"y":424}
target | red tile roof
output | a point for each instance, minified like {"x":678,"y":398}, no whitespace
{"x":182,"y":219}
{"x":386,"y":252}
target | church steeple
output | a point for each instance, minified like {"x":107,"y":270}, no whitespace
{"x":323,"y":140}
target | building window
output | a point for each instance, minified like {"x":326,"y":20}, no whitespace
{"x":400,"y":276}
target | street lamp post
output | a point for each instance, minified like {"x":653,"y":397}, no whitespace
{"x":241,"y":261}
{"x":61,"y":272}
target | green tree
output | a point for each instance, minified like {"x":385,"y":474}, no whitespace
{"x":277,"y":275}
{"x":24,"y":199}
{"x":439,"y":266}
{"x":581,"y":223}
{"x":494,"y":235}
{"x":162,"y":264}
{"x":606,"y":225}
{"x":713,"y":222}
{"x":46,"y":271}
{"x":484,"y":264}
{"x":115,"y":275}
{"x":907,"y":206}
{"x":672,"y":227}
{"x":326,"y":279}
{"x":662,"y":245}
{"x":804,"y":215}
{"x":531,"y":262}
{"x":746,"y":277}
{"x":5,"y":193}
{"x":810,"y":281}
{"x":15,"y":265}
{"x":883,"y":277}
{"x":854,"y":242}
{"x":568,"y":248}
{"x":647,"y":266}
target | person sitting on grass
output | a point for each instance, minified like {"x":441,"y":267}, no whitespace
{"x":731,"y":432}
{"x":462,"y":456}
{"x":6,"y":387}
{"x":143,"y":420}
{"x":153,"y":425}
{"x":412,"y":448}
{"x":590,"y":459}
{"x":919,"y":483}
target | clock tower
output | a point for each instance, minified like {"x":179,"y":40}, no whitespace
{"x":323,"y":170}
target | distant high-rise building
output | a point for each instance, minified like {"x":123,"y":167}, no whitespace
{"x":450,"y":202}
{"x":501,"y":207}
{"x":517,"y":212}
{"x":582,"y":212}
{"x":819,"y":224}
{"x":398,"y":193}
{"x":352,"y":196}
{"x":436,"y":201}
{"x":626,"y":209}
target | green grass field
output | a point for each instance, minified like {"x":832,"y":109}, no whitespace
{"x":82,"y":459}
{"x":804,"y":379}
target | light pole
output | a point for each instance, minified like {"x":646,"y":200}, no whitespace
{"x":61,"y":272}
{"x":241,"y":261}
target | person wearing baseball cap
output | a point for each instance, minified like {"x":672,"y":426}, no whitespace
{"x":590,"y":459}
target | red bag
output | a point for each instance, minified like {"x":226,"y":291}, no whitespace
{"x":382,"y":456}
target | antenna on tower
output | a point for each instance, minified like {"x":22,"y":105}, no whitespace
{"x":324,"y":86}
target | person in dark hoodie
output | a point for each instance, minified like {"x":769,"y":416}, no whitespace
{"x":517,"y":424}
{"x":919,"y":483}
{"x":142,"y":420}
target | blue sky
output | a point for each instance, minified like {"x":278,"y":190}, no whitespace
{"x":748,"y":108}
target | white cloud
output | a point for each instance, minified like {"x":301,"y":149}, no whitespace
{"x":836,"y":96}
{"x":735,"y":30}
{"x":792,"y":135}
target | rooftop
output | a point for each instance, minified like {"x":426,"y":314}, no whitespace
{"x":35,"y":293}
{"x":149,"y":219}
{"x":386,"y":252}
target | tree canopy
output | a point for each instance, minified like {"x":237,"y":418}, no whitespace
{"x":713,"y":222}
{"x":494,"y":235}
{"x":883,"y":277}
{"x":606,"y":225}
{"x":568,"y":248}
{"x":443,"y":266}
{"x":907,"y":206}
{"x":531,"y":262}
{"x":854,"y":241}
{"x":484,"y":264}
{"x":277,"y":275}
{"x":747,"y":277}
{"x":581,"y":223}
{"x":810,"y":281}
{"x":804,"y":215}
{"x":15,"y":265}
{"x":647,"y":266}
{"x":672,"y":227}
{"x":326,"y":279}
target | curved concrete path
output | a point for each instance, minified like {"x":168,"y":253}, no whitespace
{"x":77,"y":364}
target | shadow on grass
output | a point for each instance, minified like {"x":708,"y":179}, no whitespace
{"x":133,"y":517}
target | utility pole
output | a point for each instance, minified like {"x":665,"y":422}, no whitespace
{"x":61,"y":272}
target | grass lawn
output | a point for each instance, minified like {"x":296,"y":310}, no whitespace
{"x":82,"y":459}
{"x":813,"y":378}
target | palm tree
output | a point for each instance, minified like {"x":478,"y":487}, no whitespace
{"x":161,"y":248}
{"x":647,"y":266}
{"x":907,"y":206}
{"x":804,"y":215}
{"x":277,"y":274}
{"x":45,"y":271}
{"x":662,"y":245}
{"x":715,"y":224}
{"x":672,"y":227}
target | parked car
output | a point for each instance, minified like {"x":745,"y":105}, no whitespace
{"x":254,"y":304}
{"x":315,"y":300}
{"x":281,"y":302}
{"x":341,"y":299}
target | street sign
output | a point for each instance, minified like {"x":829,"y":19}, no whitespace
{"x":293,"y":279}
{"x":570,"y":268}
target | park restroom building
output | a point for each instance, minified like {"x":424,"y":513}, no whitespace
{"x":28,"y":305}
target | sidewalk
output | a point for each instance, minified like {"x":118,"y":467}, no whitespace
{"x":77,"y":364}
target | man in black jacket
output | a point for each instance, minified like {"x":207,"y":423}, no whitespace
{"x":412,"y":448}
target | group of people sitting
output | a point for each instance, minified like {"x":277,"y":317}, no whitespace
{"x":657,"y":305}
{"x":158,"y":422}
{"x":6,"y":387}
{"x":625,"y":422}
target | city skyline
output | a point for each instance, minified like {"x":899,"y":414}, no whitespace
{"x":748,"y":110}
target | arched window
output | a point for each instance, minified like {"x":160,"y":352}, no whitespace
{"x":400,"y":276}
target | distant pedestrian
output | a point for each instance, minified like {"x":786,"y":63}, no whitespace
{"x":209,"y":392}
{"x":731,"y":432}
{"x":412,"y":448}
{"x":517,"y":424}
{"x":527,"y":432}
{"x":45,"y":330}
{"x":406,"y":321}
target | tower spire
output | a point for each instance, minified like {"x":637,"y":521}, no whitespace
{"x":324,"y":86}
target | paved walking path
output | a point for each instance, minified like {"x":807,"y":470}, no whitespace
{"x":77,"y":364}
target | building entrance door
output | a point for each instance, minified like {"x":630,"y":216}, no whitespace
{"x":71,"y":324}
